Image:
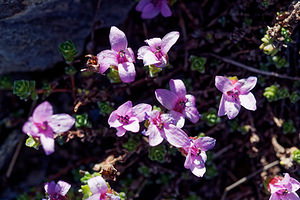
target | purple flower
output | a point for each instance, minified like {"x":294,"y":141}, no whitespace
{"x":127,"y":118}
{"x":181,"y":104}
{"x":161,"y":126}
{"x":151,"y":8}
{"x":284,"y":189}
{"x":99,"y":190}
{"x":195,"y":154}
{"x":235,"y":94}
{"x":57,"y":191}
{"x":119,"y":57}
{"x":43,"y":124}
{"x":156,"y":53}
{"x":98,"y":187}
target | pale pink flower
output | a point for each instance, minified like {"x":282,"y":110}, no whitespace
{"x":284,"y":189}
{"x":181,"y":104}
{"x":195,"y":154}
{"x":57,"y":191}
{"x":156,"y":53}
{"x":235,"y":94}
{"x":120,"y":57}
{"x":43,"y":124}
{"x":161,"y":126}
{"x":99,"y":190}
{"x":151,"y":8}
{"x":127,"y":118}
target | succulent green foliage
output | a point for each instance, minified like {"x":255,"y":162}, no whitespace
{"x":82,"y":121}
{"x":70,"y":70}
{"x":32,"y":142}
{"x":211,"y":117}
{"x":144,"y":170}
{"x":105,"y":107}
{"x":25,"y":89}
{"x":275,"y":93}
{"x":288,"y":127}
{"x":235,"y":126}
{"x":85,"y":189}
{"x":153,"y":70}
{"x":295,"y":96}
{"x":5,"y":83}
{"x":296,"y":155}
{"x":68,"y":50}
{"x":87,"y":176}
{"x":157,"y":153}
{"x":279,"y":62}
{"x":113,"y":75}
{"x":286,"y":34}
{"x":198,"y":63}
{"x":122,"y":195}
{"x":267,"y":46}
{"x":156,"y":108}
{"x":132,"y":143}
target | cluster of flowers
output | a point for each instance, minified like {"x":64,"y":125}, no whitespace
{"x":97,"y":185}
{"x":121,"y":57}
{"x":167,"y":126}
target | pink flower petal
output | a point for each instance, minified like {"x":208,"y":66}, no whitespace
{"x":290,"y":196}
{"x":150,"y":11}
{"x":125,"y":108}
{"x":155,"y":137}
{"x":223,"y":84}
{"x":191,"y":100}
{"x":117,"y":38}
{"x":204,"y":143}
{"x":30,"y":128}
{"x":198,"y":171}
{"x":142,"y":4}
{"x":96,"y":196}
{"x":142,"y":51}
{"x":178,"y":118}
{"x":275,"y":196}
{"x":133,"y":125}
{"x":150,"y":59}
{"x":188,"y":160}
{"x":140,"y":111}
{"x":120,"y":131}
{"x":248,"y":101}
{"x":47,"y":144}
{"x":176,"y":136}
{"x":167,"y":98}
{"x":113,"y":120}
{"x":50,"y":188}
{"x":192,"y":114}
{"x":62,"y":187}
{"x":177,"y":86}
{"x":130,"y":53}
{"x":232,"y":109}
{"x":126,"y":72}
{"x":42,"y":112}
{"x":154,"y":43}
{"x":222,"y":110}
{"x":61,"y":122}
{"x":97,"y":185}
{"x":165,"y":9}
{"x":295,"y":184}
{"x":168,"y":41}
{"x":245,"y":85}
{"x":107,"y":58}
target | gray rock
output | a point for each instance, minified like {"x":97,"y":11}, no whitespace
{"x":31,"y":30}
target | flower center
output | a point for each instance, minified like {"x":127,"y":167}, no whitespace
{"x":122,"y":57}
{"x":158,"y":122}
{"x":42,"y":126}
{"x":180,"y":105}
{"x":234,"y":94}
{"x":124,"y":119}
{"x":283,"y":192}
